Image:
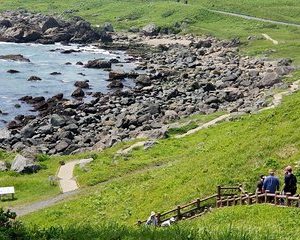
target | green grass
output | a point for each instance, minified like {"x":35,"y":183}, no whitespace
{"x":33,"y":187}
{"x":229,"y":153}
{"x":264,"y":220}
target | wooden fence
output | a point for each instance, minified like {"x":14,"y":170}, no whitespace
{"x":197,"y":207}
{"x":225,"y":196}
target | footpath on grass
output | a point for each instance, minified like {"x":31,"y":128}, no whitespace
{"x":254,"y":18}
{"x":69,"y":186}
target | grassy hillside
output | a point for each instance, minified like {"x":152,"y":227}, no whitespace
{"x":229,"y":153}
{"x":123,"y":189}
{"x":125,"y":14}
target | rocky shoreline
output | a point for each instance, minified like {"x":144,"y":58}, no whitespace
{"x":203,"y":76}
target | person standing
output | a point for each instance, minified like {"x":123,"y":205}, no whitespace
{"x":290,"y":181}
{"x":260,"y":184}
{"x":271,"y":183}
{"x":152,"y":220}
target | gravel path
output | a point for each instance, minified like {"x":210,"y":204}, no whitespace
{"x":254,"y":18}
{"x":67,"y":181}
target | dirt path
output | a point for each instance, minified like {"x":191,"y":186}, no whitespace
{"x":33,"y":207}
{"x":254,"y":18}
{"x":266,"y":36}
{"x":67,"y":181}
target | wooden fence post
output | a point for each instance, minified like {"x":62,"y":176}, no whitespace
{"x":198,"y":203}
{"x":158,"y":218}
{"x":219,"y":191}
{"x":227,"y":201}
{"x":248,"y":200}
{"x":266,"y":196}
{"x":178,"y":212}
{"x":288,"y":202}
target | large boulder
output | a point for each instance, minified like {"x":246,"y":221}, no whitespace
{"x":5,"y":23}
{"x":143,"y":80}
{"x":15,"y":57}
{"x":150,"y":30}
{"x":98,"y":63}
{"x":269,"y":79}
{"x":24,"y":165}
{"x":57,"y":120}
{"x":50,"y":23}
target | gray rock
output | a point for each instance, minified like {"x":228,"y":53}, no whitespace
{"x":143,"y":80}
{"x":27,"y":131}
{"x":108,"y":27}
{"x":149,"y":144}
{"x":269,"y":79}
{"x":57,"y":120}
{"x":78,"y":93}
{"x":98,"y":63}
{"x":150,"y":30}
{"x":15,"y":57}
{"x":34,"y":78}
{"x":50,"y":23}
{"x":3,"y":166}
{"x":24,"y":165}
{"x":61,"y":146}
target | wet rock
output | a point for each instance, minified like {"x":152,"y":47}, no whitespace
{"x":82,"y":84}
{"x":12,"y":71}
{"x":115,"y":84}
{"x":143,"y":80}
{"x":55,"y":73}
{"x":78,"y":93}
{"x":34,"y":78}
{"x":113,"y":75}
{"x":15,"y":57}
{"x":98,"y":63}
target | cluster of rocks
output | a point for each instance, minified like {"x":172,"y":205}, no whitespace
{"x":23,"y":26}
{"x":179,"y":80}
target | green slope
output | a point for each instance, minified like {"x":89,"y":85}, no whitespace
{"x":229,"y":153}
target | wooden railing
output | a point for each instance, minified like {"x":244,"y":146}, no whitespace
{"x":225,"y":196}
{"x":198,"y":206}
{"x":271,"y":198}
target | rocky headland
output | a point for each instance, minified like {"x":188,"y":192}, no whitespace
{"x":24,"y":27}
{"x":182,"y":75}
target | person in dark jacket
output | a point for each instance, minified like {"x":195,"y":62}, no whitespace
{"x":290,"y":181}
{"x":260,"y":184}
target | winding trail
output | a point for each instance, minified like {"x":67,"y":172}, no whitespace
{"x":254,"y":18}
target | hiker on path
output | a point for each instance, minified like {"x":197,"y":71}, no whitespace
{"x":290,"y":181}
{"x":260,"y":183}
{"x":152,"y":220}
{"x":271,"y":183}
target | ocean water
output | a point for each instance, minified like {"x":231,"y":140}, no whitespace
{"x":45,"y":61}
